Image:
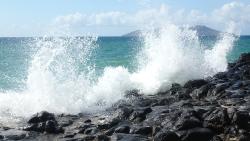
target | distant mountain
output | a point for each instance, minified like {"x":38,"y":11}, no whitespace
{"x":205,"y":31}
{"x":200,"y":29}
{"x":133,"y":34}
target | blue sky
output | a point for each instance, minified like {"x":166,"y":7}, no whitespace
{"x":113,"y":17}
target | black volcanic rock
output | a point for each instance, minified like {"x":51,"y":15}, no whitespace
{"x":167,"y":136}
{"x":245,"y":57}
{"x":41,"y":117}
{"x":128,"y":137}
{"x":195,"y":83}
{"x":123,"y":129}
{"x":198,"y":134}
{"x":44,"y":122}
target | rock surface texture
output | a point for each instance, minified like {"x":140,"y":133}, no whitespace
{"x":211,"y":109}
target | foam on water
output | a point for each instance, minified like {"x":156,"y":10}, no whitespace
{"x":57,"y":83}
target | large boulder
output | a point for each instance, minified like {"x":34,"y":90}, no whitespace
{"x":191,"y":84}
{"x":122,"y":129}
{"x":217,"y":119}
{"x":128,"y":137}
{"x":41,"y":117}
{"x":166,"y":136}
{"x":201,"y":92}
{"x":245,"y":57}
{"x":187,"y":120}
{"x":13,"y":134}
{"x":198,"y":134}
{"x":146,"y":131}
{"x":44,"y":122}
{"x":139,"y":114}
{"x":242,"y":119}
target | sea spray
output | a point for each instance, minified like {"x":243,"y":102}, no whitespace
{"x":62,"y":79}
{"x":54,"y":82}
{"x":176,"y":55}
{"x":170,"y":55}
{"x":216,"y":58}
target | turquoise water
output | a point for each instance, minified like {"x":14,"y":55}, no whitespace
{"x":16,"y":55}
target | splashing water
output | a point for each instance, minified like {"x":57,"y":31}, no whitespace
{"x":61,"y":77}
{"x":176,"y":55}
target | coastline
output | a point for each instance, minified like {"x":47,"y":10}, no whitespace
{"x":211,"y":109}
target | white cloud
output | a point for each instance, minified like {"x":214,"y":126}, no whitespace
{"x":236,"y":12}
{"x":233,"y":11}
{"x":70,"y":19}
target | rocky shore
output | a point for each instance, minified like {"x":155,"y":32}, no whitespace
{"x":212,"y":109}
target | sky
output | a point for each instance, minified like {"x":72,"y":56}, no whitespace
{"x":117,"y":17}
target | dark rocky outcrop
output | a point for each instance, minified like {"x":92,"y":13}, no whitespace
{"x":44,"y":122}
{"x":166,"y":136}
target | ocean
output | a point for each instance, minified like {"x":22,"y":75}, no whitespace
{"x":87,"y":74}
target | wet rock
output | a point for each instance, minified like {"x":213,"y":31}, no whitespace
{"x":216,"y":138}
{"x":241,"y":119}
{"x":89,"y":138}
{"x":109,"y":132}
{"x":124,"y":112}
{"x":164,"y":101}
{"x":183,"y":95}
{"x":146,"y":102}
{"x":108,"y":123}
{"x":82,"y":128}
{"x":237,"y":94}
{"x":187,"y":120}
{"x":245,"y":57}
{"x":132,"y":93}
{"x":13,"y":134}
{"x":245,"y":137}
{"x":217,"y":119}
{"x":87,"y":121}
{"x":140,"y":114}
{"x":233,"y":101}
{"x":51,"y":127}
{"x":219,"y":89}
{"x":91,"y":131}
{"x":195,"y":83}
{"x":44,"y":122}
{"x":221,"y":75}
{"x":66,"y":120}
{"x":38,"y":127}
{"x":156,"y":130}
{"x":198,"y":134}
{"x":201,"y":92}
{"x":185,"y":124}
{"x":236,"y":85}
{"x":175,"y":88}
{"x":69,"y":135}
{"x":146,"y":131}
{"x":41,"y":117}
{"x":166,"y":136}
{"x":128,"y":137}
{"x":122,"y":129}
{"x":102,"y":138}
